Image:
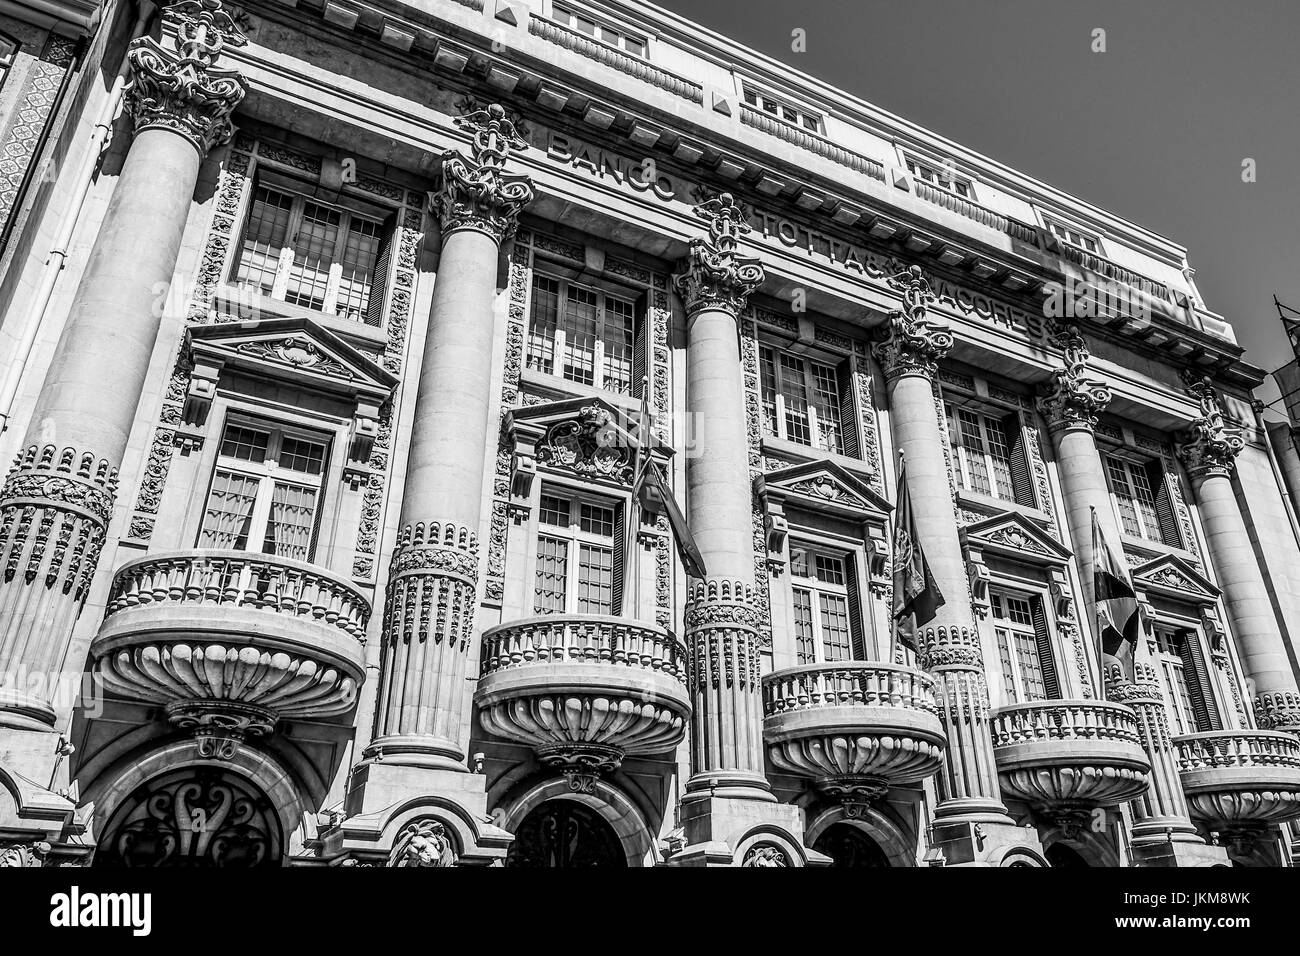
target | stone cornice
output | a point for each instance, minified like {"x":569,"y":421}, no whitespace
{"x":910,"y":342}
{"x":714,"y":275}
{"x":183,"y":90}
{"x":476,"y":192}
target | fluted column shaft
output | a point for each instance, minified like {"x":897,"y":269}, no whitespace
{"x":723,"y":620}
{"x":57,"y":501}
{"x":949,"y":645}
{"x":433,"y":584}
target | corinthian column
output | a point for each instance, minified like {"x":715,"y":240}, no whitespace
{"x":1209,"y":454}
{"x":722,"y":618}
{"x":57,"y":501}
{"x":949,"y":646}
{"x":433,"y":582}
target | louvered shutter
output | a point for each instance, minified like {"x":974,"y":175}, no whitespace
{"x":1159,"y":480}
{"x":849,"y":425}
{"x":640,"y":348}
{"x":1022,"y":481}
{"x":1197,"y":675}
{"x":857,"y":639}
{"x":379,"y":280}
{"x":621,"y":551}
{"x":1046,"y":659}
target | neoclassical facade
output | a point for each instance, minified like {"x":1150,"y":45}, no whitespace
{"x":327,"y":329}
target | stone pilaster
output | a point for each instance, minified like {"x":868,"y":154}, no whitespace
{"x":1163,"y":833}
{"x":433,"y":585}
{"x":1071,"y":404}
{"x":910,"y":348}
{"x":1209,"y":451}
{"x":728,"y":793}
{"x":57,"y":501}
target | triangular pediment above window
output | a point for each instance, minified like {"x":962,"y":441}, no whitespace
{"x":1175,"y":577}
{"x":590,"y":437}
{"x":296,"y":349}
{"x":824,"y":486}
{"x":1014,"y":536}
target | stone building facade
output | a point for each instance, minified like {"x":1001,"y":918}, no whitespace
{"x":326,"y":330}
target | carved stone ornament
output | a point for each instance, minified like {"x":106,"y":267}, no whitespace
{"x":184,"y":91}
{"x":765,"y":854}
{"x":713,"y":276}
{"x":910,"y":342}
{"x":1072,"y":399}
{"x":1278,"y":712}
{"x":423,"y":843}
{"x":589,"y":445}
{"x":1210,"y":447}
{"x":23,"y":855}
{"x":476,"y":192}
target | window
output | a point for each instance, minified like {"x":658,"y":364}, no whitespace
{"x":8,"y":53}
{"x":1074,"y":237}
{"x":827,"y":613}
{"x":1142,"y":499}
{"x":579,"y":555}
{"x":942,"y":176}
{"x":782,"y":110}
{"x":1185,"y":680}
{"x":310,"y":254}
{"x":989,"y":454}
{"x":1024,"y":650}
{"x":265,"y":493}
{"x":599,"y":31}
{"x":802,"y":401}
{"x":581,"y":334}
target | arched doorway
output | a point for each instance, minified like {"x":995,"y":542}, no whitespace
{"x":850,"y":846}
{"x":196,"y":818}
{"x":562,"y":834}
{"x":1064,"y":857}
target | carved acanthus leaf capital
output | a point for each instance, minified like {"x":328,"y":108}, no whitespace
{"x":1209,"y":447}
{"x":476,"y":192}
{"x":1072,"y":399}
{"x":910,"y":342}
{"x":183,"y":90}
{"x":713,"y":275}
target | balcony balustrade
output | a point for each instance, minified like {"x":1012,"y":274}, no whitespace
{"x":230,"y":642}
{"x":1240,"y":780}
{"x":853,"y":728}
{"x":584,"y":691}
{"x":1066,"y":758}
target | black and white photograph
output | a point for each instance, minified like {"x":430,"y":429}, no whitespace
{"x":602,"y":434}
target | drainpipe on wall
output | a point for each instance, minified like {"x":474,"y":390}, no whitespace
{"x":55,"y":259}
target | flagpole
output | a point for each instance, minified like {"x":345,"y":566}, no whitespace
{"x":893,"y":541}
{"x":1090,"y":582}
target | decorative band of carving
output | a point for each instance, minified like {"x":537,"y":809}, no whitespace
{"x":720,"y":603}
{"x":437,"y":548}
{"x":433,"y":590}
{"x":723,"y":620}
{"x":1277,"y":711}
{"x":54,"y":509}
{"x":950,"y":647}
{"x":1143,"y":689}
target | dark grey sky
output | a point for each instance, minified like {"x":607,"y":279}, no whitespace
{"x":1154,"y":129}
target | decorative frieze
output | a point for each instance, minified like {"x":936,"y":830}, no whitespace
{"x":714,"y":275}
{"x":476,"y":192}
{"x":184,"y":91}
{"x":910,"y":342}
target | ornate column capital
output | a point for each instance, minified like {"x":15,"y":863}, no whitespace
{"x":1210,"y":447}
{"x":183,"y":90}
{"x":713,"y":276}
{"x":1072,"y":399}
{"x":476,"y":192}
{"x":910,"y":343}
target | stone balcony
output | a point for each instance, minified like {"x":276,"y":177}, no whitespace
{"x":1067,"y":758}
{"x":584,"y":691}
{"x":230,"y":641}
{"x":1240,"y":780}
{"x":853,"y":728}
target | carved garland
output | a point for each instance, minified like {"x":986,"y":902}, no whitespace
{"x":754,"y":430}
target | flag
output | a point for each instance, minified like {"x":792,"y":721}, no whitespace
{"x":1115,"y":602}
{"x":654,"y":496}
{"x":916,"y":594}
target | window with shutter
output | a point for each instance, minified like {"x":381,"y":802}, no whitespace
{"x":804,"y":401}
{"x":1024,"y":646}
{"x":1186,"y":686}
{"x":990,"y":454}
{"x":826,"y":603}
{"x":1203,"y":706}
{"x":1142,"y":499}
{"x":580,"y":549}
{"x":584,"y":335}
